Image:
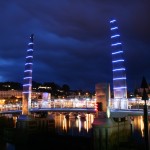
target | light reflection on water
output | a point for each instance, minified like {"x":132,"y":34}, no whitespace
{"x":77,"y":124}
{"x":74,"y":124}
{"x":138,"y":129}
{"x":81,"y":125}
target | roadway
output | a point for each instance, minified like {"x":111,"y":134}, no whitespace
{"x":36,"y":110}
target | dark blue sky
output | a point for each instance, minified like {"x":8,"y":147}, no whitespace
{"x":72,"y":40}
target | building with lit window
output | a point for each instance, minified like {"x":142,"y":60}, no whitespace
{"x":18,"y":94}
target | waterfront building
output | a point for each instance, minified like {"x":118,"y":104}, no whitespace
{"x":10,"y":93}
{"x":17,"y":94}
{"x":119,"y":71}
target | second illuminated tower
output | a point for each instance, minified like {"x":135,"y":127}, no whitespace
{"x":119,"y":71}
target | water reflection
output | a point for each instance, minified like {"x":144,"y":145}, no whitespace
{"x":10,"y":146}
{"x":73,"y":124}
{"x":138,"y":132}
{"x":142,"y":126}
{"x":139,"y":125}
{"x":81,"y":125}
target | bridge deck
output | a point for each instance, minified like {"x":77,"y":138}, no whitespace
{"x":35,"y":110}
{"x":127,"y":112}
{"x":113,"y":112}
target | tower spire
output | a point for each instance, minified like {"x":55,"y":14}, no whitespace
{"x":31,"y":37}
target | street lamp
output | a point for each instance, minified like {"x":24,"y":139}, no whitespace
{"x":144,"y":85}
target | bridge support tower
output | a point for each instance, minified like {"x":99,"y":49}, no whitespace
{"x":27,"y":80}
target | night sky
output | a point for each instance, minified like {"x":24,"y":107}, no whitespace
{"x":72,"y":40}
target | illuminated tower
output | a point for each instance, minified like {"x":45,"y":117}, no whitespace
{"x":27,"y":80}
{"x":119,"y":71}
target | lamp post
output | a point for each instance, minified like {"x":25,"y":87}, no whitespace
{"x":144,"y":85}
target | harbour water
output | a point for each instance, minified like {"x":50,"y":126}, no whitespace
{"x":75,"y":132}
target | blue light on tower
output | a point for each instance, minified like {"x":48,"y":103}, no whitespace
{"x":27,"y":80}
{"x":119,"y":74}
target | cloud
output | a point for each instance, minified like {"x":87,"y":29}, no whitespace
{"x":72,"y":39}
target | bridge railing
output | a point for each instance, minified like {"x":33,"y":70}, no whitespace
{"x":58,"y":103}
